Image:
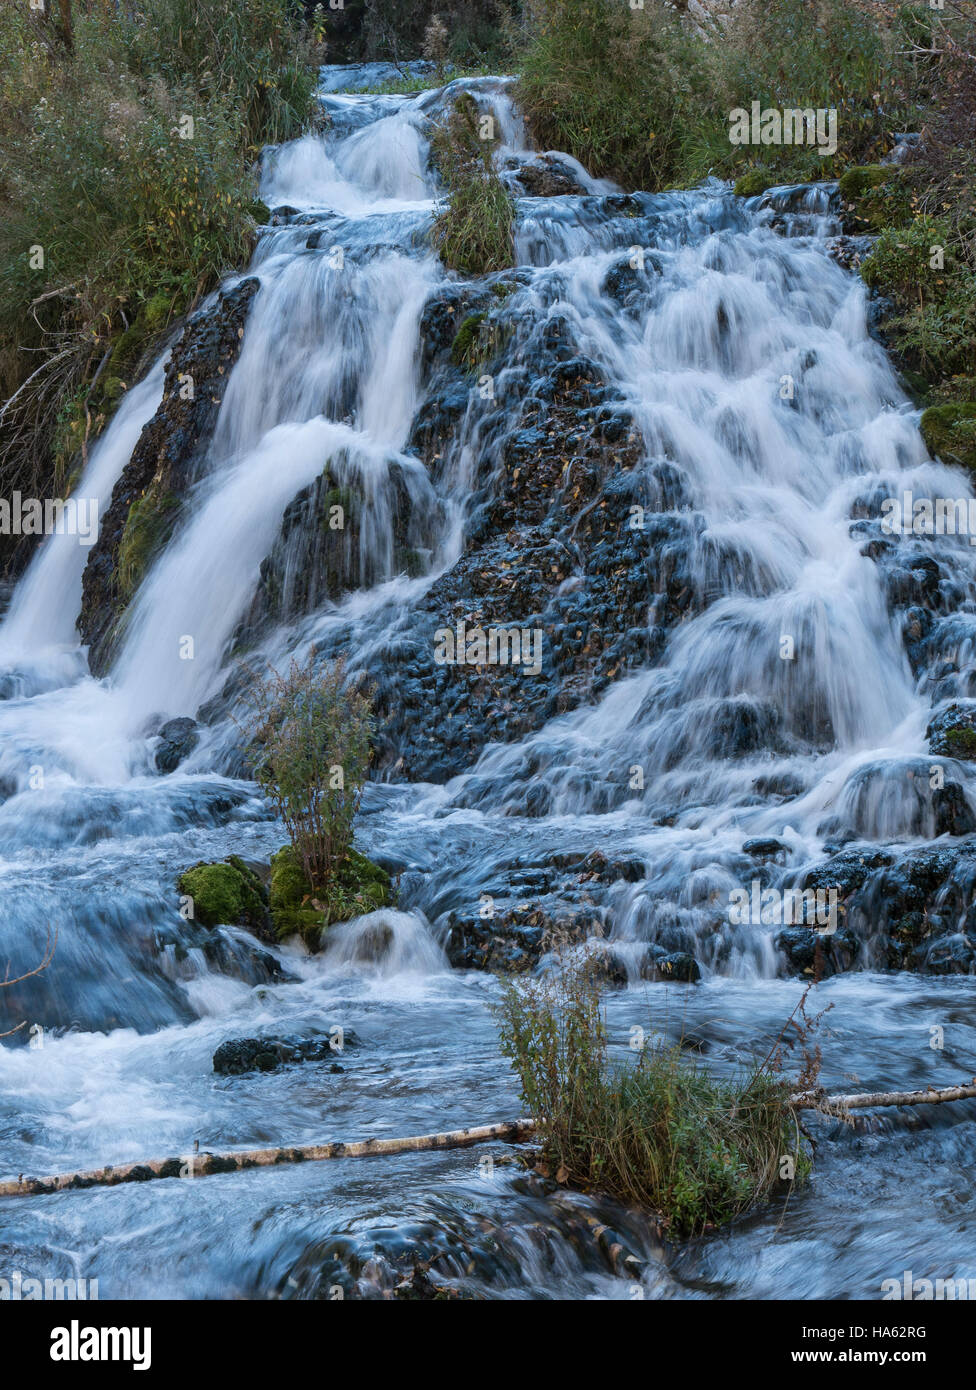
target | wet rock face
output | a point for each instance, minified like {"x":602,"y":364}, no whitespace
{"x":178,"y":738}
{"x":146,"y":500}
{"x":550,"y":550}
{"x":896,"y":909}
{"x":952,"y":732}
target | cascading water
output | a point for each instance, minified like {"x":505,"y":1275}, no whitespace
{"x":773,"y":719}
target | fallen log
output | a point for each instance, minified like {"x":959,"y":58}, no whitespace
{"x":510,"y":1131}
{"x":207,"y":1164}
{"x":837,"y":1105}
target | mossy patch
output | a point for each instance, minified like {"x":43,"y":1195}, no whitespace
{"x":147,"y":529}
{"x":226,"y":894}
{"x":755,"y":181}
{"x":949,"y":432}
{"x":359,"y":886}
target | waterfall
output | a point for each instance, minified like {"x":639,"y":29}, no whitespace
{"x":668,"y":454}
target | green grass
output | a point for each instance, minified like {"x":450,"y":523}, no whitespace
{"x":644,"y":98}
{"x":474,"y":233}
{"x":133,"y":221}
{"x":658,"y":1132}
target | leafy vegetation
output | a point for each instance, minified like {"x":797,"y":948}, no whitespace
{"x":127,"y":149}
{"x":643,"y":96}
{"x":658,"y":1132}
{"x":309,"y":736}
{"x":474,"y":232}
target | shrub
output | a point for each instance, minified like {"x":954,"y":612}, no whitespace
{"x":135,"y":222}
{"x":474,"y":233}
{"x":659,"y":1132}
{"x":310,"y":746}
{"x":643,"y":96}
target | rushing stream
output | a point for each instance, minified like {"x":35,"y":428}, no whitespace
{"x":730,"y":300}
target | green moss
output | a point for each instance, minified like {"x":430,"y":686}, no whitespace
{"x":949,"y":432}
{"x":465,"y":339}
{"x":359,"y":886}
{"x":260,"y":212}
{"x":227,"y":893}
{"x":961,"y":742}
{"x":156,"y":312}
{"x":755,"y":181}
{"x":147,"y":528}
{"x":858,"y":180}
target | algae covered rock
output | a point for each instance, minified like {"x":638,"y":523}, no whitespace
{"x":228,"y":893}
{"x":359,"y":886}
{"x":952,"y":732}
{"x":949,"y":432}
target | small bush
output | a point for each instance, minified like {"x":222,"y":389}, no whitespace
{"x":658,"y":1133}
{"x":135,"y":221}
{"x":474,"y":233}
{"x":310,"y":747}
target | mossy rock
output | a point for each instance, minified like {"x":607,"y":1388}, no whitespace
{"x":952,"y":731}
{"x":147,"y":528}
{"x":156,"y":312}
{"x":755,"y":181}
{"x":854,"y":182}
{"x":462,"y":349}
{"x":949,"y":432}
{"x":226,"y":894}
{"x":360,"y":886}
{"x":260,"y":212}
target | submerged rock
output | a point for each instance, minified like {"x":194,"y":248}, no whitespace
{"x":237,"y":1056}
{"x":178,"y":738}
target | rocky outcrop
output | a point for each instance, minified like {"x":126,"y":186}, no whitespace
{"x":146,"y":500}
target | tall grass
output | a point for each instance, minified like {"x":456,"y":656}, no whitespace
{"x":117,"y":213}
{"x":474,"y":233}
{"x":658,"y":1132}
{"x":643,"y":96}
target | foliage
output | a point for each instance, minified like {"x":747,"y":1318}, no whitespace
{"x":310,"y":740}
{"x":136,"y":211}
{"x":474,"y":233}
{"x":658,"y":1132}
{"x":643,"y":96}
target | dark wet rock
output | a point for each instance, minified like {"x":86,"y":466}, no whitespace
{"x":547,"y":176}
{"x":178,"y":738}
{"x":147,"y":498}
{"x":513,"y":942}
{"x":680,"y":966}
{"x":953,"y":814}
{"x":907,"y":909}
{"x":766,"y":849}
{"x":952,"y":732}
{"x":240,"y":1055}
{"x":811,"y":952}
